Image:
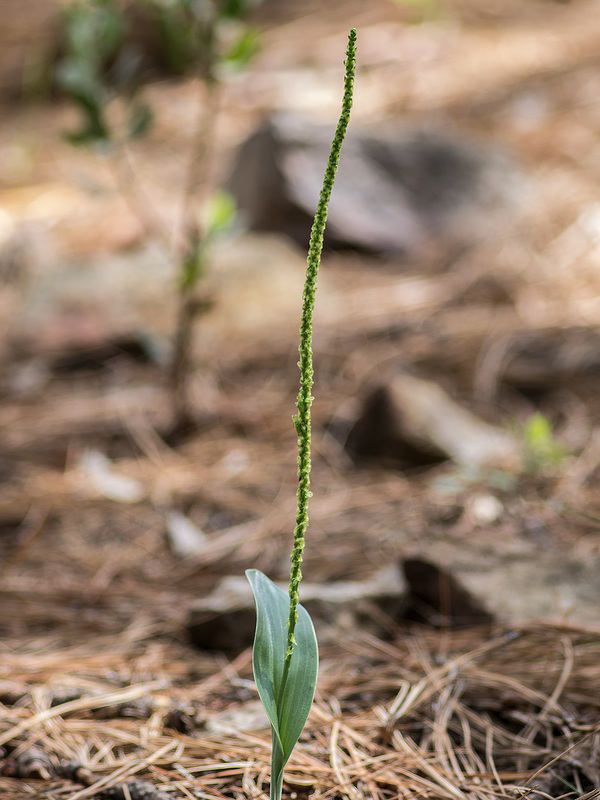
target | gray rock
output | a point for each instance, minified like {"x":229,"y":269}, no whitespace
{"x":422,"y":592}
{"x":396,"y":189}
{"x":225,"y":620}
{"x":436,"y":597}
{"x":405,"y":421}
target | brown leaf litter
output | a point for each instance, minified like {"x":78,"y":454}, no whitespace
{"x":100,"y":692}
{"x":445,"y":715}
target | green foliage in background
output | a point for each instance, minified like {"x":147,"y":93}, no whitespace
{"x":208,"y":39}
{"x":219,"y":219}
{"x":204,"y":35}
{"x":543,"y":451}
{"x":201,"y":37}
{"x":94,"y":31}
{"x":542,"y":454}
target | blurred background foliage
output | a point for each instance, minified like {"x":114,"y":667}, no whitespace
{"x":106,"y":52}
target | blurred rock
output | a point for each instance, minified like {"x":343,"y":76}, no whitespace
{"x":88,"y":303}
{"x":226,"y":619}
{"x":79,"y":311}
{"x":250,"y":716}
{"x":537,"y":361}
{"x":437,"y":598}
{"x":405,"y":422}
{"x":396,"y":189}
{"x":229,"y":630}
{"x":102,"y":356}
{"x":255,"y":282}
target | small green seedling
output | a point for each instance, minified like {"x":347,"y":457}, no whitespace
{"x":102,"y":72}
{"x":285,"y":656}
{"x":543,"y":451}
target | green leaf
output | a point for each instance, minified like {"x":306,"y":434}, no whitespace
{"x":538,"y":432}
{"x":220,"y":213}
{"x":94,"y":30}
{"x":78,"y":80}
{"x":243,"y":49}
{"x":288,"y":702}
{"x":542,"y":448}
{"x":194,"y":262}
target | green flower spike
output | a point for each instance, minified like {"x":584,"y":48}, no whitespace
{"x":285,"y":656}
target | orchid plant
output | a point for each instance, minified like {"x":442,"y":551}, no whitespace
{"x":285,"y":655}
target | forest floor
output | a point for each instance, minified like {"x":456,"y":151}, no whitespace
{"x":96,"y":664}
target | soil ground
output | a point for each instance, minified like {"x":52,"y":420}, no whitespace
{"x":96,"y":665}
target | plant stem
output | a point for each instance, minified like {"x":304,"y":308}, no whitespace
{"x":302,"y":420}
{"x":190,"y":243}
